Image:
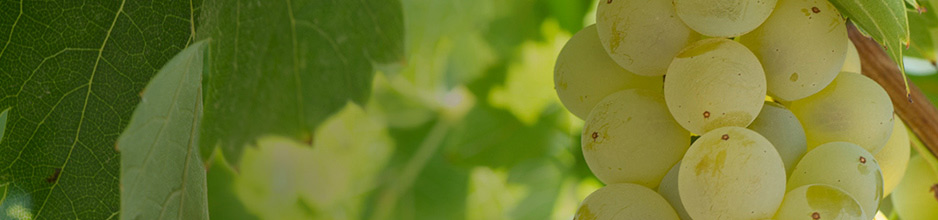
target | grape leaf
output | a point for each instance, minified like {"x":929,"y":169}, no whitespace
{"x":3,"y":122}
{"x":223,"y":202}
{"x":72,"y":71}
{"x":922,"y":45}
{"x":884,"y":20}
{"x":161,"y":172}
{"x":282,"y":67}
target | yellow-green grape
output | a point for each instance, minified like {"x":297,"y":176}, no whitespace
{"x":629,"y":137}
{"x":714,"y":83}
{"x":584,"y":74}
{"x":723,"y":18}
{"x":669,"y":190}
{"x":731,"y":173}
{"x":915,"y":197}
{"x":853,"y":108}
{"x":802,"y":46}
{"x":894,"y":157}
{"x":845,"y":166}
{"x":642,"y":36}
{"x":777,"y":124}
{"x":624,"y":201}
{"x":852,"y":61}
{"x":819,"y":201}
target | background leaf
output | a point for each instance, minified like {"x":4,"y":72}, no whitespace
{"x":282,"y":67}
{"x":922,"y":36}
{"x":161,"y":172}
{"x":285,"y":179}
{"x":72,"y":71}
{"x":885,"y":21}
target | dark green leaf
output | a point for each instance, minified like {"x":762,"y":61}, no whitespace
{"x":161,"y":171}
{"x":3,"y":122}
{"x":223,"y":202}
{"x":282,"y":67}
{"x":885,"y":21}
{"x":72,"y":71}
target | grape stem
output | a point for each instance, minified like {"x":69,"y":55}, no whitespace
{"x":911,"y":105}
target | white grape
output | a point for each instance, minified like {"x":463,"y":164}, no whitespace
{"x":845,"y":166}
{"x":731,"y":173}
{"x":819,"y":201}
{"x":624,"y":201}
{"x":802,"y":46}
{"x":852,"y":60}
{"x":642,"y":36}
{"x":723,"y":18}
{"x":894,"y":157}
{"x":914,"y":198}
{"x":629,"y":137}
{"x":853,"y":108}
{"x":669,"y":190}
{"x":714,"y":83}
{"x":777,"y":124}
{"x":584,"y":74}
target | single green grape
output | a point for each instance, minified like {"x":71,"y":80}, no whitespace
{"x":777,"y":124}
{"x":894,"y":157}
{"x":852,"y":60}
{"x":843,"y":165}
{"x":624,"y":201}
{"x":731,"y":173}
{"x":629,"y":137}
{"x":642,"y":36}
{"x":819,"y":201}
{"x":584,"y":74}
{"x":914,"y":198}
{"x":669,"y":190}
{"x":714,"y":83}
{"x":853,"y":108}
{"x":723,"y":18}
{"x":802,"y":46}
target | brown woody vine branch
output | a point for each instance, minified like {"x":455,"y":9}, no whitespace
{"x":915,"y":109}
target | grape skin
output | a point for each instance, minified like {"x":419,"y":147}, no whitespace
{"x":625,"y":201}
{"x":669,"y":190}
{"x":801,"y":50}
{"x":630,"y":137}
{"x":825,"y":201}
{"x":584,"y":74}
{"x":894,"y":157}
{"x":731,"y":173}
{"x":714,"y":83}
{"x":853,"y":108}
{"x":777,"y":124}
{"x":642,"y":36}
{"x":843,"y":165}
{"x":723,"y":18}
{"x":852,"y":60}
{"x":914,"y":197}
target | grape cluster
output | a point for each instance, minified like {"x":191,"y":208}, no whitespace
{"x":728,"y":109}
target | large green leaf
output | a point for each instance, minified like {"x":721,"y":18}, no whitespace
{"x":161,"y":172}
{"x":72,"y":72}
{"x":282,"y":67}
{"x":884,"y":20}
{"x":3,"y":121}
{"x":923,"y":44}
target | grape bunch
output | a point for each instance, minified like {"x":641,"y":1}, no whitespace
{"x":728,"y":109}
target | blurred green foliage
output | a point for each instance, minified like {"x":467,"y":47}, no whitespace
{"x":475,"y":129}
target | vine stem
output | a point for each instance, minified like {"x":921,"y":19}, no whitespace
{"x":910,"y":104}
